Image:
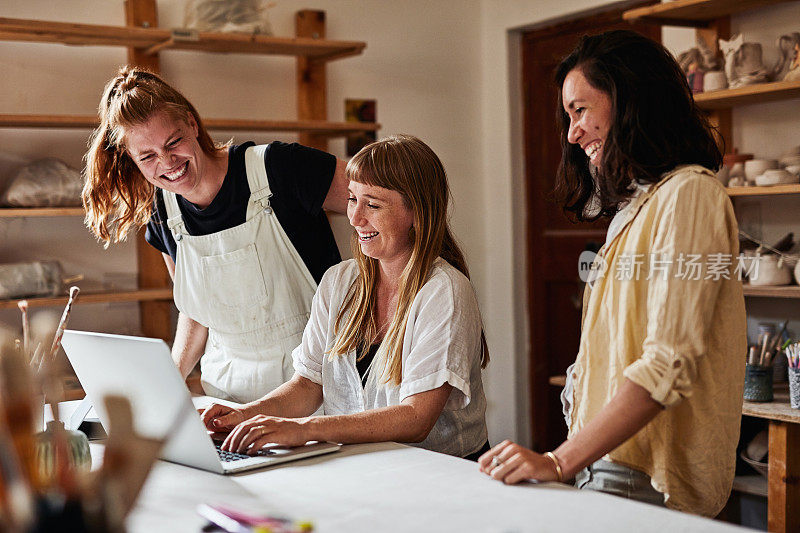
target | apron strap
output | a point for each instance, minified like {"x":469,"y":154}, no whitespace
{"x":256,"y":168}
{"x":174,"y":217}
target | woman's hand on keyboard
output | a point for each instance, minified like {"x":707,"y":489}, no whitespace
{"x":251,"y":435}
{"x":221,"y":418}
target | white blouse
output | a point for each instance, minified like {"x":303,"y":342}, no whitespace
{"x":442,"y":343}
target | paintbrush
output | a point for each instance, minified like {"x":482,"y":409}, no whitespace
{"x":772,"y":349}
{"x":26,"y":335}
{"x":62,"y":324}
{"x":763,"y":350}
{"x":43,"y":327}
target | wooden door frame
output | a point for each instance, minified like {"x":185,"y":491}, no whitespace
{"x":538,"y":381}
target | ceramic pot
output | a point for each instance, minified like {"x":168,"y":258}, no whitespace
{"x":714,"y":80}
{"x":78,"y":454}
{"x":756,"y":167}
{"x":766,"y":272}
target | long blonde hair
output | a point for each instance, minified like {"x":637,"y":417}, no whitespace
{"x":404,"y":164}
{"x":116,"y":197}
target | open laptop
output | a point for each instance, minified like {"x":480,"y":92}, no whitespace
{"x":142,"y":370}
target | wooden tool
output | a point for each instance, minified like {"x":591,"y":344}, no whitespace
{"x":62,"y":325}
{"x":26,"y":335}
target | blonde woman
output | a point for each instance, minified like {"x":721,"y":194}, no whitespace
{"x":394,"y":347}
{"x":241,"y":228}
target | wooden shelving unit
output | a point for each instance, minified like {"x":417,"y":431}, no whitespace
{"x":693,"y":13}
{"x":750,"y":94}
{"x":764,"y":191}
{"x":142,"y":295}
{"x":144,"y":41}
{"x":152,"y":40}
{"x":17,"y":212}
{"x":787,"y":291}
{"x":318,"y":127}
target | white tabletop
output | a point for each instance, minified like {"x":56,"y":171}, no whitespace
{"x":388,"y":487}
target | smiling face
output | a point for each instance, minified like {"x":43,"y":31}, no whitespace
{"x":589,"y":111}
{"x":168,"y":155}
{"x":382,"y":220}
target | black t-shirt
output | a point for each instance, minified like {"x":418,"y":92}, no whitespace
{"x":362,"y":365}
{"x":299,"y":178}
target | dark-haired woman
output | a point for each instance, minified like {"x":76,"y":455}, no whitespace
{"x":653,"y":401}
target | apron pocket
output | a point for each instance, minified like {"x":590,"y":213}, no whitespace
{"x":235,"y":290}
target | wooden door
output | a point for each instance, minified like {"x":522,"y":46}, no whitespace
{"x":553,"y":242}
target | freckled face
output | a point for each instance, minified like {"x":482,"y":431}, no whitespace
{"x":168,"y":154}
{"x":382,"y":220}
{"x":589,"y":112}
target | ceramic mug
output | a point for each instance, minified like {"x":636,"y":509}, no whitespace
{"x":714,"y":80}
{"x":756,"y":167}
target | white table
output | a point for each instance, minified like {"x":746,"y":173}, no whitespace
{"x":388,"y":487}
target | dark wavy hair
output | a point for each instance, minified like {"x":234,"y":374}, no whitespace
{"x":656,"y":125}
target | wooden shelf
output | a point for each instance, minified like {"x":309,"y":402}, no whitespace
{"x":141,"y":295}
{"x":154,"y":40}
{"x":14,"y":212}
{"x":749,"y":94}
{"x":694,"y":13}
{"x":317,"y":127}
{"x":764,"y":191}
{"x":777,"y":409}
{"x":787,"y":291}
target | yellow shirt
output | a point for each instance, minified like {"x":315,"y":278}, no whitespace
{"x":678,"y":331}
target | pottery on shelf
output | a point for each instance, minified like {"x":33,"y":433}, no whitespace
{"x":788,"y":65}
{"x":768,"y":270}
{"x":743,"y":62}
{"x":756,"y":167}
{"x":715,"y":80}
{"x":776,"y":176}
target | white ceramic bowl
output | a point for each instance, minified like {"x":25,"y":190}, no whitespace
{"x":777,"y":176}
{"x":755,"y":167}
{"x":767,"y":273}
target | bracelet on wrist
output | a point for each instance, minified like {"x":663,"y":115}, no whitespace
{"x":556,"y":464}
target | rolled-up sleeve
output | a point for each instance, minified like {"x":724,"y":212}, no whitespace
{"x":695,"y":224}
{"x":444,"y":341}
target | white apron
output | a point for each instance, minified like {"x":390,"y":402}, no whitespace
{"x":249,"y":287}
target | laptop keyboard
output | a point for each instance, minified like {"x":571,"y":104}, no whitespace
{"x":227,"y":457}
